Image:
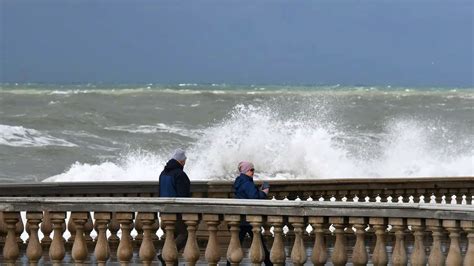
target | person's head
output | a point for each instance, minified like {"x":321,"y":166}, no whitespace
{"x":180,"y":156}
{"x":246,"y":168}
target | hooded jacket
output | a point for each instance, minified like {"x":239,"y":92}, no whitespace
{"x":245,"y":188}
{"x":173,"y":181}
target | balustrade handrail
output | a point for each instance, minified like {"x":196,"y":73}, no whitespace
{"x":279,"y":188}
{"x":214,"y":222}
{"x":243,"y":207}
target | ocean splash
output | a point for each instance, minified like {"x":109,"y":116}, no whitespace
{"x":278,"y":146}
{"x":18,"y":136}
{"x":134,"y":166}
{"x":294,"y":147}
{"x":413,"y":148}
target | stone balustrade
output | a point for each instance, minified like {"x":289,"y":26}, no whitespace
{"x":460,"y":187}
{"x":123,"y":230}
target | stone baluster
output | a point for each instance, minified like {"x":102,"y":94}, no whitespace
{"x":46,"y":228}
{"x":257,"y":253}
{"x":102,"y":249}
{"x":147,"y":250}
{"x":88,"y":227}
{"x":379,"y":257}
{"x":125,"y":248}
{"x":155,"y":226}
{"x":399,"y":253}
{"x":139,"y":228}
{"x":212,"y":254}
{"x":283,"y":195}
{"x":132,"y":226}
{"x":169,"y":252}
{"x":277,"y":253}
{"x":320,"y":254}
{"x":191,"y":250}
{"x":3,"y":230}
{"x":267,"y":235}
{"x":454,"y":254}
{"x":71,"y":227}
{"x":342,"y":194}
{"x":418,"y":254}
{"x":339,"y":255}
{"x":34,"y":251}
{"x":27,"y":230}
{"x":359,"y":253}
{"x":298,"y":252}
{"x":79,"y":247}
{"x":11,"y":250}
{"x":234,"y":251}
{"x":96,"y":229}
{"x":57,"y":250}
{"x":308,"y":195}
{"x":19,"y":227}
{"x":114,"y":226}
{"x":468,"y":227}
{"x":63,"y":229}
{"x":436,"y":257}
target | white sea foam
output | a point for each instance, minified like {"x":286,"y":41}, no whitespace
{"x":409,"y":150}
{"x":18,"y":136}
{"x":120,"y":91}
{"x":287,"y":148}
{"x":65,"y":92}
{"x":133,"y":166}
{"x":158,"y":128}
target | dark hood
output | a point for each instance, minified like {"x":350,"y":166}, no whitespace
{"x":172,"y":165}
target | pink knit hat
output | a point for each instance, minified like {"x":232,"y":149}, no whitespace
{"x":244,"y":167}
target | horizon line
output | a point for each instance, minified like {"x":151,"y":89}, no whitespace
{"x":196,"y":84}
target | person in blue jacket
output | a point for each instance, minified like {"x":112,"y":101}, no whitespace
{"x":245,"y":188}
{"x":173,"y":180}
{"x":175,"y":183}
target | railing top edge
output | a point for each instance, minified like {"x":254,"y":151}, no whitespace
{"x":275,"y":181}
{"x":227,"y":203}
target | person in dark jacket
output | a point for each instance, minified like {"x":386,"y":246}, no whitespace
{"x":173,"y":180}
{"x":245,"y":188}
{"x":175,"y":183}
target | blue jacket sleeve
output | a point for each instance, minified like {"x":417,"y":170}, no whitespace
{"x":252,"y":192}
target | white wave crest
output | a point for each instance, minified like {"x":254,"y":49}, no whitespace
{"x":133,"y":166}
{"x":18,"y":136}
{"x":289,"y":147}
{"x":408,"y":150}
{"x":158,"y":128}
{"x":310,"y":148}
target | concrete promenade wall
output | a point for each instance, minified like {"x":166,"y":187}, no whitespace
{"x":309,"y":222}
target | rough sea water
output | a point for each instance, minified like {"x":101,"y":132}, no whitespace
{"x":127,"y":132}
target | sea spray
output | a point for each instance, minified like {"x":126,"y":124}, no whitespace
{"x":292,"y":146}
{"x":421,"y":148}
{"x":285,"y":147}
{"x":133,"y":166}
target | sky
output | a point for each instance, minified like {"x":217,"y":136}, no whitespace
{"x":364,"y":42}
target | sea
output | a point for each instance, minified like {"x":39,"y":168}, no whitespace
{"x":127,"y":132}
